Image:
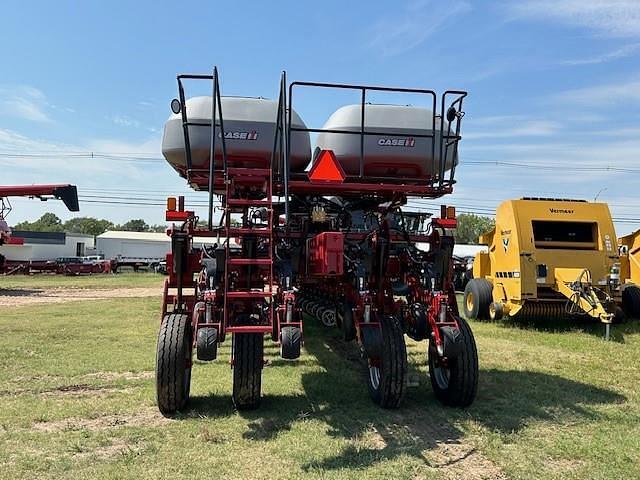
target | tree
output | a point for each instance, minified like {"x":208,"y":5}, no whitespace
{"x":49,"y":222}
{"x":471,"y":226}
{"x":87,"y":225}
{"x":136,"y":225}
{"x":158,"y":228}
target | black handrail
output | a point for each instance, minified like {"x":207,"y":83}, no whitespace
{"x":216,"y":108}
{"x":446,"y":140}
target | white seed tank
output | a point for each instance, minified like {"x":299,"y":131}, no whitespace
{"x":249,"y":125}
{"x":401,"y":155}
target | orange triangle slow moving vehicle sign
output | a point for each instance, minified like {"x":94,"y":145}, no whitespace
{"x":326,"y":168}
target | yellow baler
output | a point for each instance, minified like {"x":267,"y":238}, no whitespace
{"x":547,"y":257}
{"x":630,"y":270}
{"x":630,"y":257}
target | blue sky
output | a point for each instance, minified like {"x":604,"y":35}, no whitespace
{"x":554,"y":88}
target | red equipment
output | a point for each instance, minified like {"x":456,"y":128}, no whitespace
{"x":326,"y":254}
{"x":67,"y":193}
{"x":336,"y":246}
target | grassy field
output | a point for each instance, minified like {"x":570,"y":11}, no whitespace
{"x":81,"y":281}
{"x":77,"y":401}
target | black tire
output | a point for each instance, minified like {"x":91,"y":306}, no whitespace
{"x":618,"y":315}
{"x":248,"y":351}
{"x":207,"y":344}
{"x":456,"y":384}
{"x":478,"y":295}
{"x":631,"y":301}
{"x":496,"y":311}
{"x":348,"y":325}
{"x":290,"y":342}
{"x":387,"y":379}
{"x":173,"y":363}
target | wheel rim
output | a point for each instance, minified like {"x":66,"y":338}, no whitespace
{"x":329,"y":318}
{"x":442,"y":376}
{"x":469,"y":301}
{"x":492,"y":311}
{"x":374,"y":376}
{"x":440,"y":373}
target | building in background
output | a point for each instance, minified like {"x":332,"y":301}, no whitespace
{"x":140,"y":247}
{"x":46,"y":246}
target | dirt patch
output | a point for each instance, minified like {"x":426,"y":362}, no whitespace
{"x":118,"y":446}
{"x":449,"y":453}
{"x":80,"y":389}
{"x":370,"y":439}
{"x":146,"y":375}
{"x":563,"y":464}
{"x":20,"y":297}
{"x":148,"y":417}
{"x":66,"y":390}
{"x":456,"y":460}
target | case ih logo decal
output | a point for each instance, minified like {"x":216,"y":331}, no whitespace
{"x":239,"y":135}
{"x":397,"y":142}
{"x":560,"y":210}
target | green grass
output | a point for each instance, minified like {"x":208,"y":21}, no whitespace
{"x":77,"y":401}
{"x":82,"y":281}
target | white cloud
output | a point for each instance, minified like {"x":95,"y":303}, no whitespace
{"x":616,"y":18}
{"x":399,"y":31}
{"x":601,"y":152}
{"x":623,"y":52}
{"x":510,"y":126}
{"x":149,"y":147}
{"x":29,"y":160}
{"x":624,"y":93}
{"x":11,"y":141}
{"x":124,"y":121}
{"x":24,"y":102}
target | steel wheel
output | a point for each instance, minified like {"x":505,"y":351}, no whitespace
{"x":328,"y":318}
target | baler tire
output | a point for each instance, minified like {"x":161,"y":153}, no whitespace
{"x":478,"y":295}
{"x":496,"y":311}
{"x":631,"y":301}
{"x":618,"y":316}
{"x":458,"y":385}
{"x":290,"y":343}
{"x":387,"y":379}
{"x":173,"y":363}
{"x":248,"y":349}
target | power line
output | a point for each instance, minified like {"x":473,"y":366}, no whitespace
{"x":153,"y":158}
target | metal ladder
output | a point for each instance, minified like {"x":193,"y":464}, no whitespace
{"x":238,"y":180}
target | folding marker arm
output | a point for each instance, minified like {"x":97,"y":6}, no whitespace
{"x":67,"y":193}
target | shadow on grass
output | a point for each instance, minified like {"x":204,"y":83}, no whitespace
{"x":576,"y":323}
{"x":507,"y":401}
{"x":584,"y":324}
{"x":20,"y":292}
